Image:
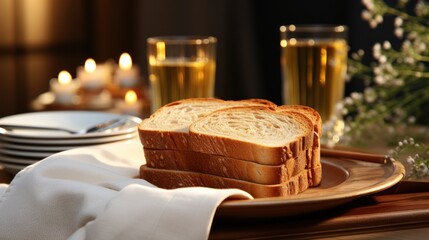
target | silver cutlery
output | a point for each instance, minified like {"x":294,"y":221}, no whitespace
{"x":99,"y":127}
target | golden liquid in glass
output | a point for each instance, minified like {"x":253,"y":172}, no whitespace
{"x":172,"y":80}
{"x":314,"y":74}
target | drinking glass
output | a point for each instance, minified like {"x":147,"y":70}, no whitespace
{"x":314,"y":63}
{"x":181,"y":67}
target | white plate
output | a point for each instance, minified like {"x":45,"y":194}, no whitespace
{"x":72,"y":120}
{"x":21,"y":153}
{"x":66,"y":142}
{"x":17,"y":160}
{"x":342,"y":181}
{"x":43,"y":148}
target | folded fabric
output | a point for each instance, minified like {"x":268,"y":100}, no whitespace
{"x":94,"y":193}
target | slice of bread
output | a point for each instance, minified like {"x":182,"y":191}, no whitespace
{"x":171,"y":179}
{"x":257,"y":133}
{"x":308,"y":111}
{"x":314,"y":158}
{"x":225,"y":166}
{"x":168,"y":127}
{"x":186,"y":160}
{"x":253,"y":144}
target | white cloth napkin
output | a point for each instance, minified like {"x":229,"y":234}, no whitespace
{"x":93,"y":193}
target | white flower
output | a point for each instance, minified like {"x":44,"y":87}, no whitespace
{"x":373,"y":24}
{"x":423,"y":169}
{"x":399,"y":32}
{"x":380,"y":80}
{"x":369,"y":4}
{"x":410,"y":160}
{"x":412,"y":35}
{"x":377,"y":70}
{"x":393,"y":81}
{"x":355,"y":56}
{"x":376,"y":50}
{"x":382,"y":59}
{"x":366,"y":15}
{"x":421,"y":9}
{"x":398,"y":22}
{"x":378,"y":18}
{"x":390,"y":69}
{"x":387,"y":45}
{"x":409,"y":60}
{"x":356,"y":96}
{"x":406,"y":45}
{"x":348,"y":101}
{"x":370,"y":95}
{"x":421,"y":47}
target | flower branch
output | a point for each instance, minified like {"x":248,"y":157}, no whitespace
{"x":396,"y":86}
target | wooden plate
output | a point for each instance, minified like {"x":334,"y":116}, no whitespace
{"x":343,"y":180}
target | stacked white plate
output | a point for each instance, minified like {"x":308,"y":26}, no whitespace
{"x":20,"y":146}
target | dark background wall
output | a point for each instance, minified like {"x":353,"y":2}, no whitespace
{"x":40,"y":38}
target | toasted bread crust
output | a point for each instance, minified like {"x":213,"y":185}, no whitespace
{"x":317,"y":123}
{"x":171,"y":179}
{"x":225,"y":166}
{"x":308,"y":111}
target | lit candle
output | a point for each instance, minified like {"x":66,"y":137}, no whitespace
{"x":64,"y":88}
{"x":92,"y":76}
{"x":130,"y":105}
{"x":126,"y":75}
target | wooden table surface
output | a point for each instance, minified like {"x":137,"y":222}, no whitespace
{"x":401,"y":212}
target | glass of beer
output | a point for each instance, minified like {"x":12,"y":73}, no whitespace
{"x":181,"y":67}
{"x":314,"y":63}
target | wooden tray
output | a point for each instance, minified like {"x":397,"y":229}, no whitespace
{"x":343,"y":180}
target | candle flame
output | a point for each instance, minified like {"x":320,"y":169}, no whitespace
{"x":64,"y":77}
{"x":125,"y":61}
{"x":130,"y":96}
{"x":90,"y":65}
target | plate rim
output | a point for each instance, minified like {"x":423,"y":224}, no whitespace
{"x":108,"y":116}
{"x":246,"y":208}
{"x":72,"y":141}
{"x":18,"y":160}
{"x":38,"y":148}
{"x":25,"y":154}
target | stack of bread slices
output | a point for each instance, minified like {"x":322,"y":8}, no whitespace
{"x":254,"y":145}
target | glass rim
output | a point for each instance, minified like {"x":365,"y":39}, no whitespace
{"x":182,"y":39}
{"x":303,"y":28}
